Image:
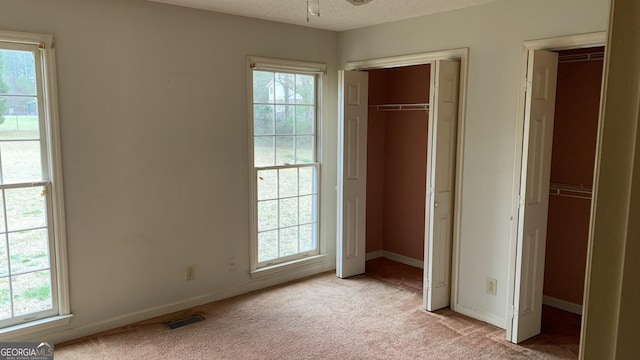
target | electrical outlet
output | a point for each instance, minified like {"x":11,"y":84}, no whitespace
{"x":231,"y":264}
{"x":492,"y":286}
{"x":191,"y":272}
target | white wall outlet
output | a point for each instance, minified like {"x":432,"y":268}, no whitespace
{"x":191,"y":272}
{"x":492,"y":286}
{"x":231,"y":264}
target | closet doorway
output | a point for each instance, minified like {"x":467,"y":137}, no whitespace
{"x":400,"y":146}
{"x":561,"y":111}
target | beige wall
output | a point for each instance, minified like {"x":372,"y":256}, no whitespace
{"x":153,"y":109}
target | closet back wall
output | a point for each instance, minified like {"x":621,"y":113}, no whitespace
{"x":397,"y":157}
{"x":572,"y":163}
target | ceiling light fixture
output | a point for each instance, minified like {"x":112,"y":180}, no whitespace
{"x":313,"y":8}
{"x":358,"y":2}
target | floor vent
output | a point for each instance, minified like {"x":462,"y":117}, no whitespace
{"x":184,"y":322}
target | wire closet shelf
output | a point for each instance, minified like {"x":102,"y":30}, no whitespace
{"x":400,"y":107}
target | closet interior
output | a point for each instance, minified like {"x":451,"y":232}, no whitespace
{"x":572,"y":168}
{"x":396,"y":163}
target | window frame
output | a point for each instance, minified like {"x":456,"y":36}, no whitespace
{"x":43,"y":46}
{"x":319,"y":70}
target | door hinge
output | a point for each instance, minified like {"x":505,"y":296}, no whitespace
{"x":527,"y":85}
{"x":427,"y":284}
{"x":519,"y":202}
{"x":514,"y":312}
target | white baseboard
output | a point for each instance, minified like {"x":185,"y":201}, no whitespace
{"x":403,"y":259}
{"x":374,"y":255}
{"x":145,"y":314}
{"x":480,"y":315}
{"x":562,"y":305}
{"x":395,"y":257}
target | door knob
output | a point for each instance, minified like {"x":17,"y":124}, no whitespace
{"x":436,"y":204}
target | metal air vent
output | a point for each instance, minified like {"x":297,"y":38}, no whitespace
{"x":184,"y":322}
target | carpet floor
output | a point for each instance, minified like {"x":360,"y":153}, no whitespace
{"x":321,"y":317}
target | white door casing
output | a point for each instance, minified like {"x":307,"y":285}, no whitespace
{"x":542,"y":69}
{"x":352,"y":173}
{"x":441,"y":176}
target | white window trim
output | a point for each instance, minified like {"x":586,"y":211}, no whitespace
{"x":291,"y":66}
{"x":52,"y":132}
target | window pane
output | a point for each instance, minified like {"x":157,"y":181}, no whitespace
{"x":5,"y":298}
{"x":307,"y":209}
{"x":305,"y":87}
{"x":21,"y":161}
{"x":4,"y":259}
{"x":304,"y":120}
{"x":26,"y":256}
{"x":288,"y":182}
{"x":264,"y":152}
{"x":19,"y":118}
{"x":307,"y":180}
{"x":267,"y":215}
{"x":29,"y":251}
{"x":18,"y":71}
{"x":288,"y":212}
{"x":263,"y":87}
{"x":288,"y":241}
{"x":304,"y":149}
{"x":284,"y":127}
{"x":285,"y":151}
{"x":285,"y":89}
{"x":267,"y":184}
{"x":26,"y":208}
{"x":308,"y":238}
{"x":267,"y":246}
{"x":31,"y":292}
{"x":2,"y":223}
{"x":263,"y":120}
{"x":285,"y":115}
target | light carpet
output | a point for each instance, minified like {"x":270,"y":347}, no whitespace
{"x":321,"y":317}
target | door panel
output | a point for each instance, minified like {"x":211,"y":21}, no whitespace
{"x":534,"y":189}
{"x":352,"y":147}
{"x":352,"y":170}
{"x":443,"y":119}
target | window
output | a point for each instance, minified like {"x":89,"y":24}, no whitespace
{"x":31,"y":225}
{"x":284,"y":122}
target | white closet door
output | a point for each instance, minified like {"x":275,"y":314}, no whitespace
{"x":534,"y":193}
{"x":352,"y":173}
{"x":443,"y":122}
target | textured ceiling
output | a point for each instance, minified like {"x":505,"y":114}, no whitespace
{"x":337,"y":15}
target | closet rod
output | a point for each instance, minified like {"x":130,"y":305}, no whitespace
{"x":572,"y":191}
{"x":399,"y":107}
{"x":581,"y":57}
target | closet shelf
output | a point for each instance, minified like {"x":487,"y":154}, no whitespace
{"x":399,"y":107}
{"x":573,"y":191}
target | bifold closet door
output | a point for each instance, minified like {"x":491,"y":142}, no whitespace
{"x":352,"y":173}
{"x":542,"y":70}
{"x":441,"y":164}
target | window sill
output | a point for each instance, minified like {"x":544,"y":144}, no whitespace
{"x":17,"y":331}
{"x":288,"y":266}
